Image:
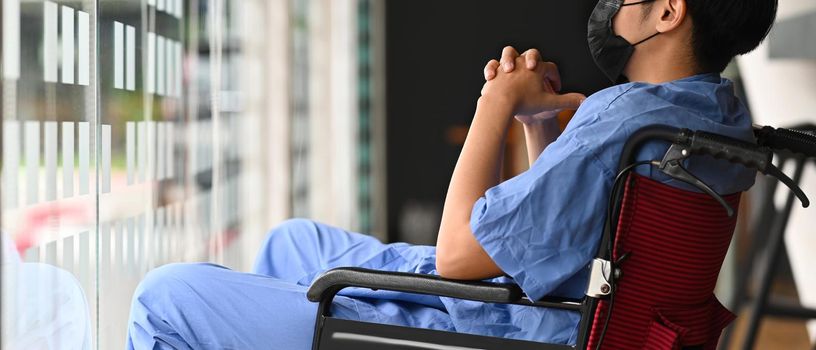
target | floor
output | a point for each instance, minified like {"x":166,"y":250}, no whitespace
{"x":775,"y":333}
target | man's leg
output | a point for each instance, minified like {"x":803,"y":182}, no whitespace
{"x":297,"y":248}
{"x":205,"y":306}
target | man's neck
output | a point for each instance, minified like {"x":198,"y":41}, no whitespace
{"x":661,"y":74}
{"x":660,"y":66}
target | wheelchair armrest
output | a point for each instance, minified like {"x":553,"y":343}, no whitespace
{"x":334,"y":280}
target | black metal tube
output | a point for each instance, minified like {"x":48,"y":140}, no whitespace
{"x":553,"y":303}
{"x":648,"y":133}
{"x":585,"y":325}
{"x":790,"y":311}
{"x":666,"y":133}
{"x":332,"y":281}
{"x":775,"y":246}
{"x":756,"y":241}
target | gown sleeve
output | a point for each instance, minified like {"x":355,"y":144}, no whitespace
{"x":544,"y":225}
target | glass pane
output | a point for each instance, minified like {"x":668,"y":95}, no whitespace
{"x":92,"y":200}
{"x":49,"y":187}
{"x":172,"y":125}
{"x":129,"y":117}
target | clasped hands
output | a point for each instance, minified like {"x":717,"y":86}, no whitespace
{"x":533,"y":92}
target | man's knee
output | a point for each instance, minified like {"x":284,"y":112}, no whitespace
{"x":292,"y":230}
{"x":163,"y":301}
{"x":170,"y":282}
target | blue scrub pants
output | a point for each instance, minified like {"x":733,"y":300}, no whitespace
{"x":206,"y":306}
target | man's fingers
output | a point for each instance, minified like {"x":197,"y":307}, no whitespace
{"x":491,"y":69}
{"x":531,"y":58}
{"x":550,"y":71}
{"x":508,"y":58}
{"x":565,"y":101}
{"x":547,"y":86}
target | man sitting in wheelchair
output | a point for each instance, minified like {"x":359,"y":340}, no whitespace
{"x":539,"y":229}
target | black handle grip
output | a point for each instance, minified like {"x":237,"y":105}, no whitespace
{"x":795,"y":141}
{"x":732,"y":150}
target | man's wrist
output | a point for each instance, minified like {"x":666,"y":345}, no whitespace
{"x":545,"y":123}
{"x":548,"y":128}
{"x":494,"y":112}
{"x":499,"y":101}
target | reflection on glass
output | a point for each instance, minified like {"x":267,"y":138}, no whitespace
{"x":124,"y":148}
{"x":50,"y":309}
{"x":48,"y":196}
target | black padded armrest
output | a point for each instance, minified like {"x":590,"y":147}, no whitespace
{"x":332,"y":281}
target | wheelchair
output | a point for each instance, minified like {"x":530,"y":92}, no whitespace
{"x":646,"y":290}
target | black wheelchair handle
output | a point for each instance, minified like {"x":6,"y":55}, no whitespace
{"x":730,"y":149}
{"x":799,"y":140}
{"x":698,"y":142}
{"x":326,"y":286}
{"x":759,"y":156}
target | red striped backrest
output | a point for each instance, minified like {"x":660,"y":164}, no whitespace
{"x":677,"y":241}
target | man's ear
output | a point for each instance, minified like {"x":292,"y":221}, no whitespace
{"x":672,"y":15}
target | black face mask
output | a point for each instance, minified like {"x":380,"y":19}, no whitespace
{"x":610,"y":51}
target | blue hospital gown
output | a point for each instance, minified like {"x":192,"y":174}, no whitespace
{"x":541,"y":227}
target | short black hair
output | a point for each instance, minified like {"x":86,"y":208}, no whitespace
{"x":724,"y":29}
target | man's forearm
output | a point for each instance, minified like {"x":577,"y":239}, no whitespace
{"x":477,"y":170}
{"x":538,"y":135}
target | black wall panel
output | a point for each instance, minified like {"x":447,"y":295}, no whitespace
{"x":436,"y":50}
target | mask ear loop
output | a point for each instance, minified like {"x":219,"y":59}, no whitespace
{"x":638,"y":3}
{"x":644,"y":40}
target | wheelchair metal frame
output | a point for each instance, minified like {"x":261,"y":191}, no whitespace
{"x":334,"y":333}
{"x":765,"y":254}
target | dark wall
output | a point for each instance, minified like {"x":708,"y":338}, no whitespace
{"x":436,"y":50}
